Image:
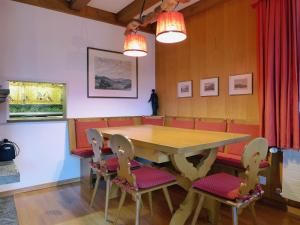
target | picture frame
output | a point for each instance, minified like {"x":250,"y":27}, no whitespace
{"x":110,"y":74}
{"x":209,"y":87}
{"x":185,"y":89}
{"x":241,"y":84}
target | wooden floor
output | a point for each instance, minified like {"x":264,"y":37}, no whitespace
{"x":68,"y":205}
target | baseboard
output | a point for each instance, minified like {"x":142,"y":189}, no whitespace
{"x":39,"y":187}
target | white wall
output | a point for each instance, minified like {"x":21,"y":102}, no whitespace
{"x":37,"y":44}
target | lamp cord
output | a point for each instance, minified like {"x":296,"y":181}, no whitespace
{"x":142,"y":10}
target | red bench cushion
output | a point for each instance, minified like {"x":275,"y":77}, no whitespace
{"x":153,"y":121}
{"x":235,"y":160}
{"x":120,"y":123}
{"x":80,"y":129}
{"x":221,"y":184}
{"x":187,"y":124}
{"x":211,"y":126}
{"x":83,"y":152}
{"x":238,"y":148}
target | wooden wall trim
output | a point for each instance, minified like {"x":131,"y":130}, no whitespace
{"x":39,"y":187}
{"x":134,"y":9}
{"x":79,"y":4}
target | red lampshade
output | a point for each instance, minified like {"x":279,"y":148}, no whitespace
{"x":135,"y":45}
{"x":170,"y":27}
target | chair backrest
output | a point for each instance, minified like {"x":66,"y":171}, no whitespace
{"x":120,"y":122}
{"x":80,"y":131}
{"x":255,"y":151}
{"x":148,"y":120}
{"x":95,"y":139}
{"x":182,"y":123}
{"x":123,"y":148}
{"x":238,"y":148}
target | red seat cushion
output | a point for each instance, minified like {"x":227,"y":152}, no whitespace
{"x":80,"y":129}
{"x":187,"y":124}
{"x":221,"y":184}
{"x":153,"y":121}
{"x":120,"y":123}
{"x":112,"y":164}
{"x":211,"y":126}
{"x":148,"y":177}
{"x":235,"y":160}
{"x":238,"y":148}
{"x":83,"y":152}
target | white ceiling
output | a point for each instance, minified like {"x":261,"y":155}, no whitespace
{"x":113,"y":6}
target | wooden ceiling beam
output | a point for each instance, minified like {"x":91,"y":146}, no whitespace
{"x":79,"y":4}
{"x":200,"y":6}
{"x":86,"y":12}
{"x":134,"y":9}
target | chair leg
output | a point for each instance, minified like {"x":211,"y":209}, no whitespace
{"x":198,"y":209}
{"x":168,"y":199}
{"x":150,"y":203}
{"x":138,"y":208}
{"x":120,"y":206}
{"x":253,"y":213}
{"x":107,"y":191}
{"x":235,"y":219}
{"x":95,"y":190}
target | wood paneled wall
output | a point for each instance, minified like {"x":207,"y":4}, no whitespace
{"x":221,"y":41}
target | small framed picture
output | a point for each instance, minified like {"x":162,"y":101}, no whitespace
{"x":240,"y":84}
{"x":209,"y":87}
{"x":185,"y":89}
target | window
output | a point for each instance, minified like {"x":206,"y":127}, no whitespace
{"x":36,"y":100}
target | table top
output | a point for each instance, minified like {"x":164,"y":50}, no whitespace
{"x":174,"y":140}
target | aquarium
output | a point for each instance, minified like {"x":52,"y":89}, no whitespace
{"x":36,"y":99}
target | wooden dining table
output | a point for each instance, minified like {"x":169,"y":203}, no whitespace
{"x":163,"y":144}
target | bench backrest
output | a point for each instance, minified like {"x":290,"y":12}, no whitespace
{"x":120,"y":122}
{"x":158,"y":121}
{"x":211,"y":126}
{"x":183,"y":123}
{"x":238,"y":148}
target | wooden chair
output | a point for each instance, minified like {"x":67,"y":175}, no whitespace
{"x":103,"y":168}
{"x":232,"y":156}
{"x":235,"y":191}
{"x":140,"y":181}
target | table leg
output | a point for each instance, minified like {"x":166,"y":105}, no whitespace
{"x":189,"y":174}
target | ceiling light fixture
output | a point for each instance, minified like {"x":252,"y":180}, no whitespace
{"x":135,"y":45}
{"x":170,"y":27}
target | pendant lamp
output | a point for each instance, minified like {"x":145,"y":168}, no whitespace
{"x":135,"y":45}
{"x":170,"y":27}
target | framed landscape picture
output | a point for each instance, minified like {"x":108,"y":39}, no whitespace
{"x":111,"y":74}
{"x":184,"y":89}
{"x":240,"y":84}
{"x":209,"y":87}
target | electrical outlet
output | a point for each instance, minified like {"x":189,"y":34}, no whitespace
{"x":262,"y":180}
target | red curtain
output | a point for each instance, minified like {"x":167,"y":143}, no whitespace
{"x":278,"y":70}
